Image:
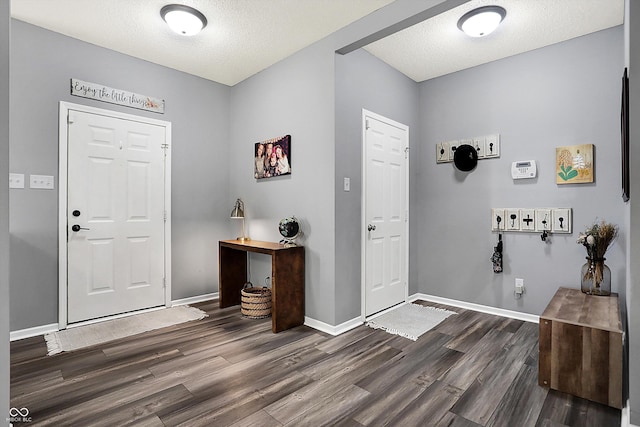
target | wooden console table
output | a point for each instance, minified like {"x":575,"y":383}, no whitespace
{"x":287,"y":278}
{"x":580,"y":346}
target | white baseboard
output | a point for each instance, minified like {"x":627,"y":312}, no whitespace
{"x":196,"y":299}
{"x":332,"y":330}
{"x":477,"y":307}
{"x":625,"y":416}
{"x":353,"y":323}
{"x":32,"y":332}
{"x":53,"y":327}
{"x":313,"y":323}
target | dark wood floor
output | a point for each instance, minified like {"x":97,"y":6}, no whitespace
{"x":474,"y":369}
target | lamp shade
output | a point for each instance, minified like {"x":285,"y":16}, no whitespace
{"x":183,"y":20}
{"x":238,"y":209}
{"x":481,"y":21}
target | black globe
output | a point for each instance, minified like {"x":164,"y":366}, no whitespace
{"x":289,"y":227}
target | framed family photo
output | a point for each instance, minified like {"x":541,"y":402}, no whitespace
{"x":272,"y":157}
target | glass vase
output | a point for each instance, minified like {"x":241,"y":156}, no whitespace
{"x":595,"y":277}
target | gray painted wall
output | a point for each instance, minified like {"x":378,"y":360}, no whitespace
{"x":564,"y":94}
{"x":633,"y":284}
{"x":362,"y":81}
{"x":296,"y":96}
{"x":4,"y":209}
{"x":42,"y":64}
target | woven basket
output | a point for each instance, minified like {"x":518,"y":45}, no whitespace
{"x":255,"y":303}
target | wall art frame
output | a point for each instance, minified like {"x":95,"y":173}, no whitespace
{"x":575,"y":164}
{"x":272,"y":157}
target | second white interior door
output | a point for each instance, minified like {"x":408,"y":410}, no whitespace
{"x":385,"y":212}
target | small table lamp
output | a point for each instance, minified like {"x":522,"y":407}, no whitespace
{"x":238,"y":213}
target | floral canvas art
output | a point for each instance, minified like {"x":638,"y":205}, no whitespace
{"x":574,"y":164}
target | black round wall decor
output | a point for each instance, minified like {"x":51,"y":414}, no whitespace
{"x":465,"y":157}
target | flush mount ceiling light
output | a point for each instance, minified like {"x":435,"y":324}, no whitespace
{"x":184,"y":20}
{"x":481,"y":21}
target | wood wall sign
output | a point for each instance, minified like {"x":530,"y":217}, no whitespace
{"x":116,"y":96}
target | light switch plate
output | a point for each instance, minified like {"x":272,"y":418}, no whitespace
{"x":16,"y":180}
{"x":478,"y":144}
{"x":495,"y":224}
{"x":513,"y":219}
{"x":527,"y":220}
{"x":43,"y":182}
{"x":347,"y":183}
{"x":492,"y":146}
{"x":442,"y":152}
{"x":561,"y":220}
{"x":543,"y":220}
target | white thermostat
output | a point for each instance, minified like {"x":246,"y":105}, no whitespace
{"x":523,"y":169}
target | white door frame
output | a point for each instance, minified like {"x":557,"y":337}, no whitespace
{"x":62,"y":199}
{"x":363,"y":219}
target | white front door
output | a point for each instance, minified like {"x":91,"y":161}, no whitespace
{"x":115,"y":215}
{"x":385,"y":212}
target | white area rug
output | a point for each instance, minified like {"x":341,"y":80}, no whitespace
{"x":410,"y":320}
{"x":109,"y":330}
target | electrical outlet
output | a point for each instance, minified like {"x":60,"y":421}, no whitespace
{"x":478,"y":144}
{"x":527,"y":220}
{"x":512,"y":219}
{"x":561,"y":220}
{"x":492,"y":146}
{"x":543,"y":219}
{"x":497,"y":219}
{"x":442,"y":152}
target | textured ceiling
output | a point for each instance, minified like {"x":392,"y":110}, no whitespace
{"x":437,"y":47}
{"x":244,"y":37}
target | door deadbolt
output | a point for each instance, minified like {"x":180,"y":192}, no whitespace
{"x":76,"y":213}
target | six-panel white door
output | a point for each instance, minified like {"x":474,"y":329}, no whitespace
{"x":115,"y":224}
{"x":385,"y":213}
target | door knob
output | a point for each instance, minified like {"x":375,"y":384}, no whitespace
{"x":76,"y":228}
{"x":371,"y":227}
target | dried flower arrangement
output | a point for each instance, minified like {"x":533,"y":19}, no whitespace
{"x":596,"y":239}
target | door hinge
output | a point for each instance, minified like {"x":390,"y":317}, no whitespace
{"x":164,"y":146}
{"x":406,"y":152}
{"x":164,"y":282}
{"x":165,"y":216}
{"x":69,"y":118}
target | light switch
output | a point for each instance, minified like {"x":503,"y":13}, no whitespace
{"x":43,"y":182}
{"x":543,"y":219}
{"x":347,"y":184}
{"x":561,"y":220}
{"x":442,"y":152}
{"x":497,"y":219}
{"x":16,"y":180}
{"x":527,"y":220}
{"x":513,"y":219}
{"x":478,"y":144}
{"x":492,"y":146}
